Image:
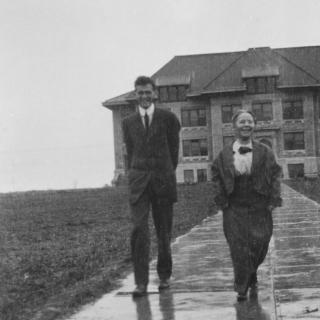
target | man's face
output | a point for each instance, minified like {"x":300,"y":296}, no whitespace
{"x":145,"y":95}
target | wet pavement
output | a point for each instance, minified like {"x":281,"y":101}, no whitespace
{"x":296,"y":257}
{"x":202,"y":281}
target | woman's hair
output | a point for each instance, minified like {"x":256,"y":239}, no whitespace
{"x":241,"y":111}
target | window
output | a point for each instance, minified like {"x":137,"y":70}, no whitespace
{"x":172,"y":93}
{"x":186,"y":147}
{"x":182,"y":91}
{"x":203,"y":147}
{"x":262,"y":111}
{"x":202,"y":175}
{"x":292,"y":109}
{"x":202,"y":114}
{"x":163,"y":94}
{"x":196,"y":147}
{"x":271,"y":84}
{"x":296,"y":170}
{"x":261,"y":85}
{"x":228,"y":140}
{"x":228,"y":111}
{"x":251,"y":85}
{"x":188,"y":176}
{"x":194,"y":117}
{"x":293,"y":140}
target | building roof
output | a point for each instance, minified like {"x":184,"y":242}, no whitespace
{"x":223,"y":72}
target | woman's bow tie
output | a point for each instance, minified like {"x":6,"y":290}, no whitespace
{"x":244,"y":150}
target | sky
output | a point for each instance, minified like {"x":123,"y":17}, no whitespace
{"x":59,"y":60}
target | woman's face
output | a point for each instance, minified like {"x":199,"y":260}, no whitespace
{"x":244,"y":126}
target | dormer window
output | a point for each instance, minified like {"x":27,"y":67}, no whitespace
{"x":172,"y":93}
{"x":259,"y":85}
{"x":173,"y":88}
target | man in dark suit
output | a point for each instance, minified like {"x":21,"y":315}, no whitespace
{"x":151,"y":136}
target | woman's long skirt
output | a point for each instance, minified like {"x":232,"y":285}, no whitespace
{"x":248,"y":230}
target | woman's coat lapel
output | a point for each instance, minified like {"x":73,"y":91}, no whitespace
{"x":228,"y":165}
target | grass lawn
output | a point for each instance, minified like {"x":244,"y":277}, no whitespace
{"x":308,"y":187}
{"x":62,"y":249}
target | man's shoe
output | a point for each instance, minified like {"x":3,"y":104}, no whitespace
{"x":139,"y":291}
{"x":164,"y":284}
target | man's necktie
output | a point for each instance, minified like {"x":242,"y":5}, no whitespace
{"x":146,"y":122}
{"x":244,"y":150}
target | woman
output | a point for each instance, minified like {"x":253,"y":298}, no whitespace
{"x":246,"y":181}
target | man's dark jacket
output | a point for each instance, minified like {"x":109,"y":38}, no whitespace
{"x":152,"y":156}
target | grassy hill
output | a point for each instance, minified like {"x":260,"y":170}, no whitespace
{"x":61,"y":249}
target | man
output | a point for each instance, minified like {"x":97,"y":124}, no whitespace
{"x":151,"y":137}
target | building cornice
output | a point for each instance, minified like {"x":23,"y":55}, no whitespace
{"x":316,"y":85}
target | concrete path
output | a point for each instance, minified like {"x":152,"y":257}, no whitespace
{"x":296,"y":257}
{"x":202,"y":282}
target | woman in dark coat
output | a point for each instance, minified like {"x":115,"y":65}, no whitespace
{"x":246,"y":179}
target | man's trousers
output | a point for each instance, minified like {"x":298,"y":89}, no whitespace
{"x":162,"y":213}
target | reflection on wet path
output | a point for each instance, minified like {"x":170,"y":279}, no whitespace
{"x":202,"y":283}
{"x":166,"y":307}
{"x":296,"y":257}
{"x":251,"y":309}
{"x":143,"y":308}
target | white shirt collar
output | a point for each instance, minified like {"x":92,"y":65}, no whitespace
{"x":237,"y":145}
{"x":149,"y":111}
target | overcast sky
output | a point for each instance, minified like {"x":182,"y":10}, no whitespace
{"x":59,"y":59}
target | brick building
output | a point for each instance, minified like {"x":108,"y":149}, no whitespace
{"x":281,"y":86}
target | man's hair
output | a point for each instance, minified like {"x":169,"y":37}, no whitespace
{"x":241,"y":111}
{"x":143,"y":81}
